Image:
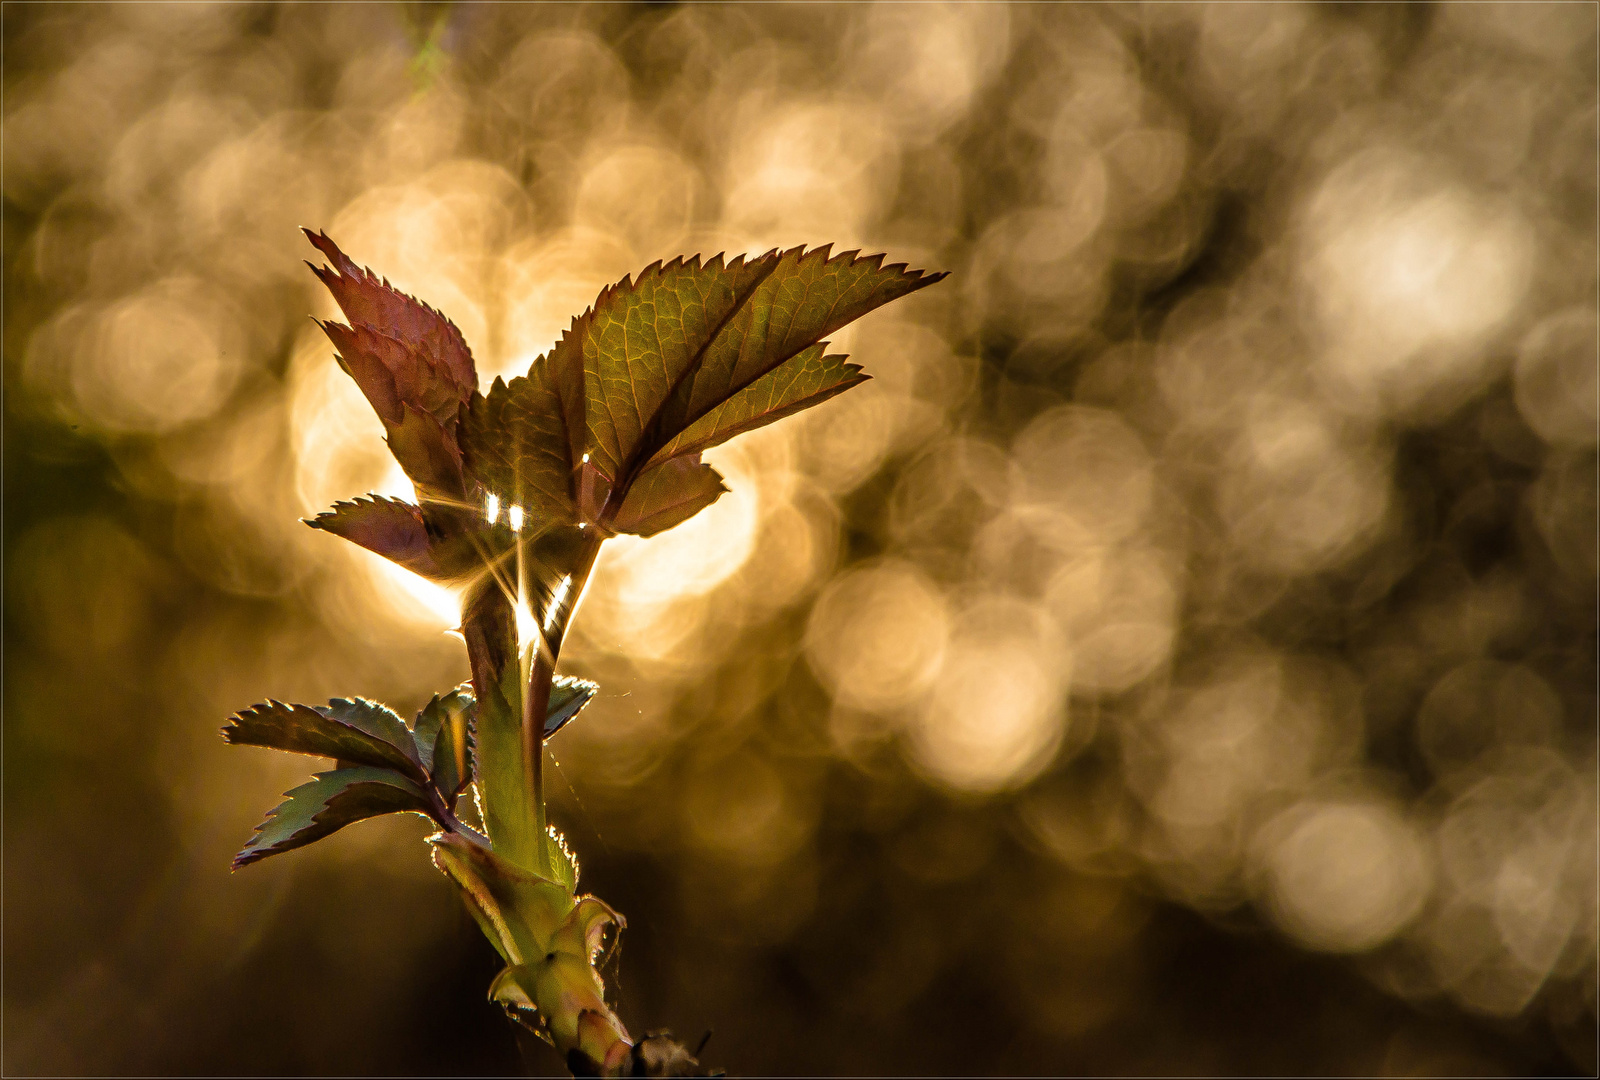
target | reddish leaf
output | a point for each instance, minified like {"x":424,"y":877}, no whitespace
{"x":514,"y":443}
{"x":392,"y":528}
{"x":368,"y":301}
{"x":427,"y":451}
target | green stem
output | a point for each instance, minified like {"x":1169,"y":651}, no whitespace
{"x":513,"y":691}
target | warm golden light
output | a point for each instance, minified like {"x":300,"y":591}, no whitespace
{"x":1221,"y":535}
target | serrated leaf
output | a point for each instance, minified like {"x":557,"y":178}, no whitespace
{"x":392,"y":373}
{"x":806,"y":297}
{"x":389,"y":527}
{"x":564,"y":864}
{"x":410,"y":362}
{"x":428,"y":453}
{"x":668,"y":494}
{"x":568,"y":696}
{"x":514,"y":443}
{"x":443,"y":733}
{"x":327,"y":804}
{"x":357,"y":732}
{"x":377,"y":720}
{"x":368,"y":301}
{"x":625,"y":357}
{"x":809,"y":378}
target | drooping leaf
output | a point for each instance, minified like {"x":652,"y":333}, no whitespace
{"x":806,"y":379}
{"x":667,"y":494}
{"x":568,"y":696}
{"x":357,"y":732}
{"x":390,"y":527}
{"x":327,"y":804}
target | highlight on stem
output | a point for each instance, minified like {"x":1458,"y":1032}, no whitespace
{"x":516,"y":491}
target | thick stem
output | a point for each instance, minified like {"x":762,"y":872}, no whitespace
{"x":535,"y":703}
{"x":541,"y":674}
{"x":489,"y":625}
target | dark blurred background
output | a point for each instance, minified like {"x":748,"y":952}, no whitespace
{"x":1180,"y":659}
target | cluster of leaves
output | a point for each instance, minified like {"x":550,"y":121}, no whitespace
{"x":603,"y":435}
{"x":381,"y":765}
{"x":606,"y":431}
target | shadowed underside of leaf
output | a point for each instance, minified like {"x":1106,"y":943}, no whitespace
{"x":807,"y":379}
{"x":668,"y":494}
{"x":514,"y":443}
{"x":356,"y":731}
{"x":392,"y":528}
{"x":327,"y":804}
{"x":568,"y":696}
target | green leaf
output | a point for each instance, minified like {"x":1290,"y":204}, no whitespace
{"x":668,"y":494}
{"x":568,"y":696}
{"x":520,"y":912}
{"x":390,"y":527}
{"x":327,"y":804}
{"x":443,"y":733}
{"x":806,"y":297}
{"x":804,"y":380}
{"x":623,"y":359}
{"x":564,"y":863}
{"x":355,"y":731}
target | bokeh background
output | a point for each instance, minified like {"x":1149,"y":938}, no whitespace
{"x":1180,"y":659}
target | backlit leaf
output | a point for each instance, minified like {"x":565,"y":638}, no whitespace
{"x":410,"y":362}
{"x":640,"y":341}
{"x":809,"y":378}
{"x":443,"y":733}
{"x":327,"y":804}
{"x":806,"y":297}
{"x":514,"y":443}
{"x":368,"y":301}
{"x":353,"y":731}
{"x":568,"y":696}
{"x":390,"y":527}
{"x":668,"y":493}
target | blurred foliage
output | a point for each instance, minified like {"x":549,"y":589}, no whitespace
{"x":1179,"y":658}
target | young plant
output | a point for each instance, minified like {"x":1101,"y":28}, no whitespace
{"x":516,"y":491}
